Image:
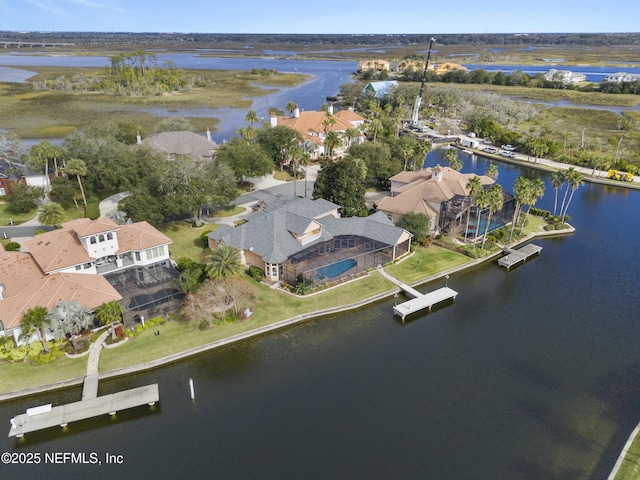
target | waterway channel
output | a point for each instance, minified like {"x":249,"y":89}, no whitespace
{"x":531,"y":373}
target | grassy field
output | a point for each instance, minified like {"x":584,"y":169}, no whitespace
{"x":186,"y":240}
{"x":18,"y":376}
{"x":425,"y":262}
{"x":271,"y":306}
{"x":50,"y":114}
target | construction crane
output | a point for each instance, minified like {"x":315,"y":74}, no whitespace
{"x":416,"y":107}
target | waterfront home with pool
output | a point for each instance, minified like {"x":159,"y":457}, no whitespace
{"x":288,"y":236}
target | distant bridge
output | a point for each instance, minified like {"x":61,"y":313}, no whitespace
{"x":20,"y":44}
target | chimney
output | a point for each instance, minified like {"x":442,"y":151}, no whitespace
{"x":330,"y":109}
{"x":274,"y":119}
{"x":296,"y":112}
{"x":437,"y":173}
{"x":138,"y":138}
{"x":208,"y":134}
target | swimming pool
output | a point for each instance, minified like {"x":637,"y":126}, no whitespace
{"x":335,"y":269}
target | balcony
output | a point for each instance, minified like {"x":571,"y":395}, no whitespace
{"x":113,"y":265}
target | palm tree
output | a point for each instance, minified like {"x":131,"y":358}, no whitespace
{"x":494,"y":202}
{"x":295,"y":152}
{"x":482,"y":202}
{"x":453,"y":159}
{"x":474,"y":186}
{"x":251,"y":117}
{"x":492,"y":171}
{"x":110,"y":313}
{"x":34,"y":321}
{"x":305,"y":160}
{"x":575,"y":179}
{"x":331,"y":141}
{"x":291,"y":107}
{"x":51,"y":213}
{"x":521,"y":189}
{"x":557,"y":179}
{"x":68,"y":318}
{"x":224,"y":262}
{"x":535,"y":191}
{"x":77,"y":167}
{"x":567,"y":175}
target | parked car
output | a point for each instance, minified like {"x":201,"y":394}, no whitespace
{"x":487,"y":141}
{"x":507,"y":154}
{"x":508,"y":147}
{"x":489,"y":150}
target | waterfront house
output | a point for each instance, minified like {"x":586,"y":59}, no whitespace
{"x":564,"y":76}
{"x":74,"y":263}
{"x":379,"y":89}
{"x":440,"y":193}
{"x":620,"y":77}
{"x":288,"y":237}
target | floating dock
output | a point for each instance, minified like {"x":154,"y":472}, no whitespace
{"x":420,"y":301}
{"x":514,"y":257}
{"x":46,"y":416}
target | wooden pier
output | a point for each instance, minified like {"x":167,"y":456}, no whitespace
{"x":514,"y":257}
{"x":423,"y":301}
{"x":420,"y":301}
{"x":46,"y":416}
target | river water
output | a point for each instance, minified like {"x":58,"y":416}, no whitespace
{"x":531,"y":373}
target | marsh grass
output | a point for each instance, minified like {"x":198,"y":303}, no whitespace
{"x":50,"y":114}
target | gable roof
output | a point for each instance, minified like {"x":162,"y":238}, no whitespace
{"x":140,"y":236}
{"x":85,"y":226}
{"x":27,"y":286}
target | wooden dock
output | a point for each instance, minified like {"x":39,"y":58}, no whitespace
{"x":91,"y":405}
{"x":420,"y":301}
{"x":426,"y":300}
{"x":514,"y":257}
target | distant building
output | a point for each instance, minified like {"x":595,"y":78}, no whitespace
{"x":620,"y":77}
{"x":176,"y":144}
{"x":313,"y":126}
{"x":378,"y":65}
{"x":379,"y":89}
{"x":564,"y":76}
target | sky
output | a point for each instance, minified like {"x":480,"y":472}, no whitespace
{"x":325,"y":16}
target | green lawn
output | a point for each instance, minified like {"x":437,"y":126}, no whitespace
{"x":17,"y":218}
{"x":18,"y":376}
{"x":426,"y":262}
{"x":186,"y":240}
{"x":271,"y":306}
{"x":630,"y":467}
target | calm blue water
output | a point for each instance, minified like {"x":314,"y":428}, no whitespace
{"x":336,"y":269}
{"x":593,"y":73}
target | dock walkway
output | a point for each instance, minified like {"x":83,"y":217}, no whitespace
{"x":514,"y":257}
{"x":420,"y":301}
{"x":91,"y":405}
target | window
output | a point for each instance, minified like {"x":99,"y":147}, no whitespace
{"x":109,"y":236}
{"x":155,"y":252}
{"x":78,"y":267}
{"x":137,"y":256}
{"x":87,"y":265}
{"x":101,"y":238}
{"x":93,"y":240}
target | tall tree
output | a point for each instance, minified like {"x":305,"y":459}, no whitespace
{"x":34,"y":321}
{"x":77,"y":167}
{"x":341,"y":182}
{"x":521,"y":189}
{"x":251,"y":117}
{"x":51,"y":213}
{"x":276,"y":142}
{"x":575,"y":179}
{"x":535,"y":191}
{"x":495,"y":201}
{"x":474,"y":186}
{"x":453,"y":159}
{"x":557,"y":179}
{"x":331,"y":141}
{"x":224,"y":262}
{"x":246,"y":159}
{"x":291,"y":106}
{"x":68,"y":318}
{"x":492,"y":171}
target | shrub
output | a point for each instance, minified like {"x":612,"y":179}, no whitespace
{"x":203,"y":236}
{"x":12,"y":247}
{"x":256,"y":273}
